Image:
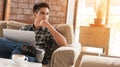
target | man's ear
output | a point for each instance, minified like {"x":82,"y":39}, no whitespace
{"x":35,"y":14}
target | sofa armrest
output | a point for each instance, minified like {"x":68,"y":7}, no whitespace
{"x":2,"y":25}
{"x":65,"y":56}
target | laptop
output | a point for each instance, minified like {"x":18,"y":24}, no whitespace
{"x":20,"y":36}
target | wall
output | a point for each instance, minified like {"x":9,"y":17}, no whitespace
{"x":1,"y":9}
{"x":21,"y":10}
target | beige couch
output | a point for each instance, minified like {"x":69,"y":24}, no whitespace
{"x":99,"y":61}
{"x":62,"y":57}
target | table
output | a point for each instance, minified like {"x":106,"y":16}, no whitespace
{"x":97,"y":37}
{"x":8,"y":63}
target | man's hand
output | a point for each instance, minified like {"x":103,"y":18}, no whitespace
{"x":44,"y":23}
{"x":30,"y":50}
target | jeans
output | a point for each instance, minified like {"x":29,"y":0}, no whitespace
{"x":13,"y":47}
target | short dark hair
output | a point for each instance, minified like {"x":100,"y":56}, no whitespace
{"x":37,"y":6}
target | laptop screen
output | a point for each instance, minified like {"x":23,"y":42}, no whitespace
{"x":20,"y":36}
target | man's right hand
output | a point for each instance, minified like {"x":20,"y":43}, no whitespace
{"x":29,"y":50}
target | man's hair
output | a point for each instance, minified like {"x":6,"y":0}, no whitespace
{"x":37,"y":6}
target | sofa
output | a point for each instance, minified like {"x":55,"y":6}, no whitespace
{"x":99,"y":61}
{"x":64,"y":56}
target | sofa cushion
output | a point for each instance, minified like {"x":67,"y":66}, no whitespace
{"x":15,"y":25}
{"x":2,"y":25}
{"x":99,"y":61}
{"x":66,"y":31}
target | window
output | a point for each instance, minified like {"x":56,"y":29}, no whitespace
{"x":86,"y":14}
{"x":114,"y":14}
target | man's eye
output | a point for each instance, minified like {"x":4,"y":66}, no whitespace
{"x":42,"y":13}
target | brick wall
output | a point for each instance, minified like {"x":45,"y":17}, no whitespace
{"x":21,"y":10}
{"x":58,"y":10}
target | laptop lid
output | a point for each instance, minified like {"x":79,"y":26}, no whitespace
{"x":20,"y":36}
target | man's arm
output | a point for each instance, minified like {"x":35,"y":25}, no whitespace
{"x":60,"y":39}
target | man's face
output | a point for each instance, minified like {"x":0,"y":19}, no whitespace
{"x":43,"y":14}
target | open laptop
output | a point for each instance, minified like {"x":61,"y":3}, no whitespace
{"x":20,"y":36}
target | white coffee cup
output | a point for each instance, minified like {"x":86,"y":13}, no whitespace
{"x":18,"y":58}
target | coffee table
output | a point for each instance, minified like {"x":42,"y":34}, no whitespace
{"x":8,"y":63}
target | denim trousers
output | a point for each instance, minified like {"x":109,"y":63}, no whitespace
{"x":13,"y":47}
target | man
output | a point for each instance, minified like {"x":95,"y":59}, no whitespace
{"x":47,"y":37}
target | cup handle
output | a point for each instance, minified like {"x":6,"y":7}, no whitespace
{"x":26,"y":58}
